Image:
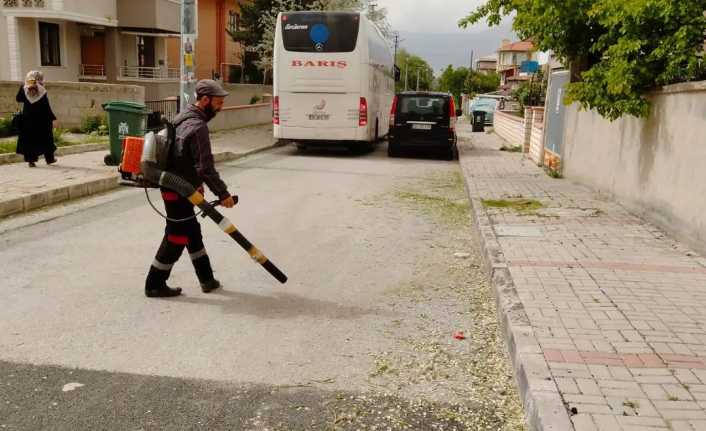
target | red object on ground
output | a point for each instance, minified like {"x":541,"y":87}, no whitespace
{"x":459,"y":335}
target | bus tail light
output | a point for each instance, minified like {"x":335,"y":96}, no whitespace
{"x":393,"y":111}
{"x":363,"y":111}
{"x":275,"y":110}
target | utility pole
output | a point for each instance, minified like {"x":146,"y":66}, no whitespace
{"x":406,"y":74}
{"x":189,"y":33}
{"x":417,"y":79}
{"x":472,"y":60}
{"x":397,"y":43}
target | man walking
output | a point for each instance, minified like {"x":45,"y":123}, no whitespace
{"x":192,"y":160}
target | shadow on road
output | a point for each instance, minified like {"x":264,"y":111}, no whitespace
{"x":279,"y":306}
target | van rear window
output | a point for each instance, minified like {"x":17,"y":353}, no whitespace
{"x":424,"y":105}
{"x":320,"y":32}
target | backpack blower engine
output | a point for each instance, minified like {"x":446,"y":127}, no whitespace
{"x":144,"y":165}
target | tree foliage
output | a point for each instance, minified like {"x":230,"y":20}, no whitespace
{"x":532,"y":93}
{"x":412,"y":66}
{"x":479,"y":82}
{"x":617,"y":50}
{"x":453,"y":81}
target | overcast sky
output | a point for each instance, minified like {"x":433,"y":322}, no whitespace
{"x":429,"y":28}
{"x":430,"y":16}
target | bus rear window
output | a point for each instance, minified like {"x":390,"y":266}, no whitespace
{"x":320,"y":32}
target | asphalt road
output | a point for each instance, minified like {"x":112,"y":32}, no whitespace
{"x":375,"y":292}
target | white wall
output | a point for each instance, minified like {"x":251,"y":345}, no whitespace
{"x":96,"y":8}
{"x":4,"y":65}
{"x":655,"y":166}
{"x":70,"y":47}
{"x":128,"y":45}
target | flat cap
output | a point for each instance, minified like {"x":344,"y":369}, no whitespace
{"x":209,"y":87}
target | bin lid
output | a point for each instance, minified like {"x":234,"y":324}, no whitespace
{"x":125,"y":106}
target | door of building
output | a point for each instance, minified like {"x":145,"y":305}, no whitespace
{"x":93,"y":55}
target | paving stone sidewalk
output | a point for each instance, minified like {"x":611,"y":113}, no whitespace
{"x":77,"y":175}
{"x":605,"y":314}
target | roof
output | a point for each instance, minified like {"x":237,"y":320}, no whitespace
{"x":521,"y":46}
{"x":493,"y":57}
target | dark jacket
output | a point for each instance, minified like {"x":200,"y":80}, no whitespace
{"x":192,"y":158}
{"x":35,"y":134}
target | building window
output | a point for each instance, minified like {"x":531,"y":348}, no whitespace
{"x":49,"y":45}
{"x":233,"y":21}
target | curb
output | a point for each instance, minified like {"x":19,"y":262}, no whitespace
{"x":62,"y":194}
{"x":544,"y":407}
{"x":6,"y":159}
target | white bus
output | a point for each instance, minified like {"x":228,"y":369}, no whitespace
{"x":334,"y":79}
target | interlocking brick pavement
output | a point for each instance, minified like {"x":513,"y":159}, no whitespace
{"x":616,"y":307}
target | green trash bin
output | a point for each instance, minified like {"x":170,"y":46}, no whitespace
{"x":124,"y":119}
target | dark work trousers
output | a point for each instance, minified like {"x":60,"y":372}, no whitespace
{"x":178,"y":235}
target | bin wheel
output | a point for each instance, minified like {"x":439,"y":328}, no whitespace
{"x":108,"y":160}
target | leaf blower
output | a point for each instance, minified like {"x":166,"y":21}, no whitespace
{"x":144,"y":165}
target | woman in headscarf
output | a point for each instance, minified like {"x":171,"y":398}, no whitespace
{"x":35,"y":135}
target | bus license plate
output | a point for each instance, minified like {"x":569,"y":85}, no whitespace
{"x":421,"y":126}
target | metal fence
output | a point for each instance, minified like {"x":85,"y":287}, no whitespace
{"x":168,"y":107}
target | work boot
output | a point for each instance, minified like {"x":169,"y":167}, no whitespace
{"x":162,"y":292}
{"x":210,"y":286}
{"x":156,"y":285}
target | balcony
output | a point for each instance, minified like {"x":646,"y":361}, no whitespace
{"x":92,"y":71}
{"x":24,"y":3}
{"x":157,"y":15}
{"x":137,"y":73}
{"x":95,"y":12}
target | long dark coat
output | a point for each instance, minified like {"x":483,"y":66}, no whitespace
{"x":35,"y":134}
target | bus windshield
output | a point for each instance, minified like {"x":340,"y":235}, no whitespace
{"x":320,"y":32}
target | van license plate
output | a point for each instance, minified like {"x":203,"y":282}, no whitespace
{"x":421,"y":126}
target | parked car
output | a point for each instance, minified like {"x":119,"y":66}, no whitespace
{"x":485,"y":104}
{"x":423,"y":120}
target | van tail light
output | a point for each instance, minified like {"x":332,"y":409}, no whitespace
{"x":363,"y":111}
{"x":275,"y":110}
{"x":393,"y":111}
{"x":452,"y":114}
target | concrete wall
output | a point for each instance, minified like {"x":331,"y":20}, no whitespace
{"x":536,"y":143}
{"x":72,"y":101}
{"x":155,"y":14}
{"x":242,"y":116}
{"x":97,"y":8}
{"x":536,"y":139}
{"x":4,"y":53}
{"x":655,"y":166}
{"x":509,"y":127}
{"x":159,"y":90}
{"x":240,"y":94}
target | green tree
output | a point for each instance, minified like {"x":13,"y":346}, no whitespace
{"x":478,"y":82}
{"x":617,"y":50}
{"x":532,"y":93}
{"x":259,"y":20}
{"x":411,"y":67}
{"x":453,"y":81}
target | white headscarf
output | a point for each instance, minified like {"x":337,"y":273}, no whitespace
{"x":35,"y":92}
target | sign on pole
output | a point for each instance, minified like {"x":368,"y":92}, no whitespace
{"x":529,"y":67}
{"x":189,"y":34}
